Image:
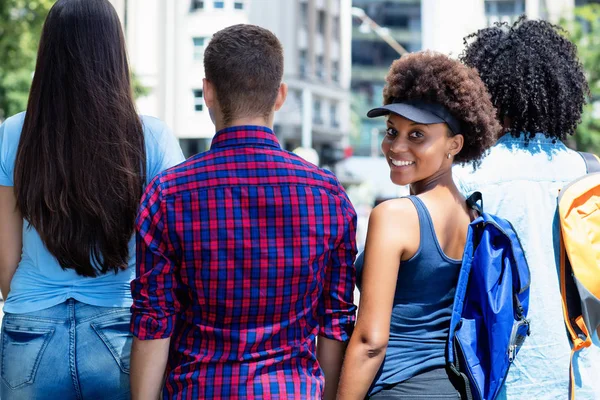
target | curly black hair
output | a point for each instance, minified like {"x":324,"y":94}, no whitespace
{"x":533,"y":75}
{"x":437,"y":78}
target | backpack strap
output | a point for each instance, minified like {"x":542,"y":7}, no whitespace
{"x":579,"y":342}
{"x":473,"y":202}
{"x":592,"y":164}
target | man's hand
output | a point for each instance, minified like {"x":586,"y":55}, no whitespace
{"x":330,"y":354}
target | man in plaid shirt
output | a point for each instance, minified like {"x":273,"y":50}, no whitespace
{"x":244,"y":253}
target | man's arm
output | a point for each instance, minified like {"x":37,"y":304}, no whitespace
{"x":148,"y":364}
{"x":336,"y":307}
{"x":155,"y":301}
{"x":330,"y":354}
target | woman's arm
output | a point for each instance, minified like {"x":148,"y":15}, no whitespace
{"x":392,"y":228}
{"x":11,"y":229}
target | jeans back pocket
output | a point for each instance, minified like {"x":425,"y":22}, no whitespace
{"x":115,"y":334}
{"x":23,"y":346}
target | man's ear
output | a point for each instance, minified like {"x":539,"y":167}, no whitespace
{"x":281,"y":96}
{"x":208,"y":92}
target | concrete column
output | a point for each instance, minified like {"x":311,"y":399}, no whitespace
{"x":161,"y":87}
{"x":311,"y":57}
{"x":327,"y":39}
{"x":169,"y":62}
{"x":307,"y":117}
{"x":532,"y":9}
{"x":558,"y":9}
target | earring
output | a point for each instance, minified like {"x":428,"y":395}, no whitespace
{"x":449,"y":156}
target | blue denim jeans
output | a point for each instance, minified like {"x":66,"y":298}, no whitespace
{"x":70,"y":351}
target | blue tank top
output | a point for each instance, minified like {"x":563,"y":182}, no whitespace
{"x":422,"y":308}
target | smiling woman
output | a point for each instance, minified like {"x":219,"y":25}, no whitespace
{"x":438,"y":113}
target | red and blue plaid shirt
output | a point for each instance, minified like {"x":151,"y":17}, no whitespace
{"x":244,"y":255}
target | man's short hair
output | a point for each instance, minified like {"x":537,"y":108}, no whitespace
{"x":245,"y":65}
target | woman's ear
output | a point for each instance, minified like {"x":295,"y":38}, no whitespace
{"x":456,"y":144}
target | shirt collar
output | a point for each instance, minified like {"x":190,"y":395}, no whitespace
{"x":245,"y":135}
{"x":539,"y":139}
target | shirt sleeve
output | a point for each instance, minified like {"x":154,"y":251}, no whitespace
{"x":337,"y":311}
{"x":154,"y":290}
{"x":165,"y":151}
{"x":6,"y":178}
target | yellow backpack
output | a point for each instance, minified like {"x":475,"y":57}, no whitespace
{"x":579,"y":214}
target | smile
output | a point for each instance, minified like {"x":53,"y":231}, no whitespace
{"x":401,"y":163}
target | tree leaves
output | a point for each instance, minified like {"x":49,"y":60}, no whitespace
{"x":21,"y":23}
{"x":584,"y":31}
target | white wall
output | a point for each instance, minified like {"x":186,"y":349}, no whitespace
{"x":160,"y":43}
{"x":445,"y":23}
{"x":558,"y":9}
{"x":189,"y":72}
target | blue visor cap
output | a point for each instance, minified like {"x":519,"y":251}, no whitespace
{"x":420,"y":112}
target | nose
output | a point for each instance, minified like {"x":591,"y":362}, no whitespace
{"x":398,"y":146}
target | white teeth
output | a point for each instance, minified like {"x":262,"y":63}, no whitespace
{"x":399,"y":163}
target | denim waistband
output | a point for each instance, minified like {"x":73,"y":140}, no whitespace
{"x":71,"y":308}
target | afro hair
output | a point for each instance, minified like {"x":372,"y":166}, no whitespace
{"x":437,"y":78}
{"x":533,"y":75}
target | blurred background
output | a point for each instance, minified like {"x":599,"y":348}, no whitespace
{"x":337,"y":53}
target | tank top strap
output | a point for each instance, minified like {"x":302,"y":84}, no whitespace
{"x":427,"y":232}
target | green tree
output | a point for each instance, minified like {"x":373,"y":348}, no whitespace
{"x":584,"y":31}
{"x":20,"y":27}
{"x":21,"y":24}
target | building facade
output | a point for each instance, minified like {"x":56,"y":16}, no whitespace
{"x":438,"y":25}
{"x":167,"y":38}
{"x":371,"y":59}
{"x":316,"y":39}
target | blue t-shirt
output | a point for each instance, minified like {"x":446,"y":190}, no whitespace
{"x":39,"y":281}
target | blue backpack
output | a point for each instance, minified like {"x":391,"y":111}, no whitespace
{"x":488,"y":324}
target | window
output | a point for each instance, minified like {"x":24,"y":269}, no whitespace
{"x":303,"y":64}
{"x":196,"y":5}
{"x":321,"y":22}
{"x":320,"y":67}
{"x":335,"y":71}
{"x":219,"y":4}
{"x":199,"y":45}
{"x":192,"y":147}
{"x":335,"y":28}
{"x":299,"y":100}
{"x":198,"y":100}
{"x":333,"y":119}
{"x":238,"y":5}
{"x":370,"y":53}
{"x":503,"y":10}
{"x":317,"y":118}
{"x":304,"y":14}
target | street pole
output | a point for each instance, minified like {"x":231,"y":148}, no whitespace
{"x":383,"y":33}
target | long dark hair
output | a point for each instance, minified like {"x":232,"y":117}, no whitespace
{"x":80,"y":167}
